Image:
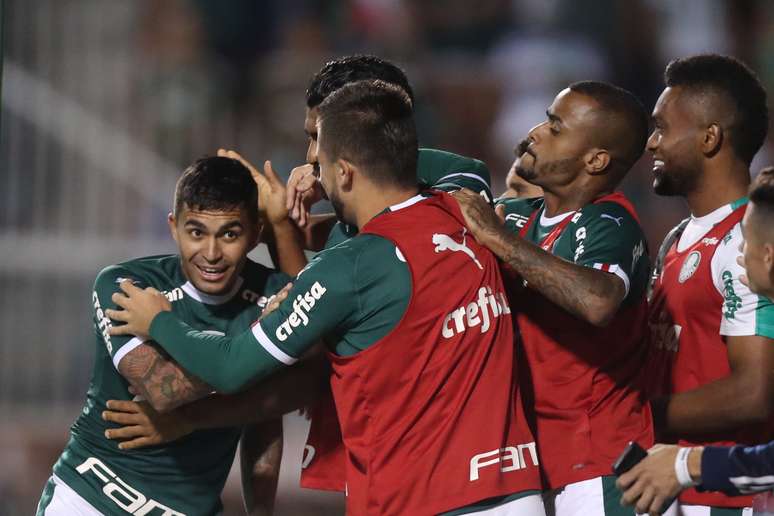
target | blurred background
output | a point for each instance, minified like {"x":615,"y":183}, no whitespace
{"x":105,"y":102}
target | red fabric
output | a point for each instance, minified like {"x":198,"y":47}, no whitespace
{"x":324,"y":462}
{"x":430,"y":414}
{"x":688,"y":348}
{"x":586,"y":383}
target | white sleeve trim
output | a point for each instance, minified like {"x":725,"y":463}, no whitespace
{"x":464,"y":174}
{"x":125,"y":349}
{"x":618,"y":271}
{"x":270,"y":347}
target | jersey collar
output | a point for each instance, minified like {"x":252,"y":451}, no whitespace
{"x":407,"y":203}
{"x":209,"y":299}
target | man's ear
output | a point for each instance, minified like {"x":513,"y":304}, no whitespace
{"x":172,"y":223}
{"x":596,"y":161}
{"x":345,"y":173}
{"x":768,"y":257}
{"x":712,"y":139}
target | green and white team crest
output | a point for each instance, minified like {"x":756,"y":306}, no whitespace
{"x":689,"y":267}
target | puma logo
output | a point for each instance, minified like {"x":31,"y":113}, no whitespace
{"x":446,"y":243}
{"x":617,"y":220}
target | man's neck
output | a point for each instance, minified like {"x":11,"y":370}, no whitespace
{"x":375,"y":201}
{"x":567,"y":199}
{"x":718,"y":189}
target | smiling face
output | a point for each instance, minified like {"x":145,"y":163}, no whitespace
{"x":675,"y":144}
{"x":557,"y":146}
{"x":213,"y":246}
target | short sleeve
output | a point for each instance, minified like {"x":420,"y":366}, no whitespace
{"x":742,"y":312}
{"x":321,"y":299}
{"x":105,"y":285}
{"x":608,"y":238}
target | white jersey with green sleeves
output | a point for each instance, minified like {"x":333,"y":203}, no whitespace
{"x":602,"y":236}
{"x":187,"y":475}
{"x":742,"y":312}
{"x":440,"y":170}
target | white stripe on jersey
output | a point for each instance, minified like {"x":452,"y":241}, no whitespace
{"x":270,"y":347}
{"x":618,"y":271}
{"x":464,"y":174}
{"x":753,"y":484}
{"x":125,"y":349}
{"x":66,"y":502}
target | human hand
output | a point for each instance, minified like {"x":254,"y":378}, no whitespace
{"x":271,"y":189}
{"x":139,"y":307}
{"x":303,"y":190}
{"x":482,"y":221}
{"x":142,"y":426}
{"x":652,"y":484}
{"x":275,"y":300}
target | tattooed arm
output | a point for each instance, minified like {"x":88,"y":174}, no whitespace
{"x":589,"y":294}
{"x":162,"y":382}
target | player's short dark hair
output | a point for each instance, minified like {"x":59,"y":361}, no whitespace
{"x":217,"y":184}
{"x":371,"y":124}
{"x":344,"y":70}
{"x":625,"y":113}
{"x":731,"y":78}
{"x":762,"y":190}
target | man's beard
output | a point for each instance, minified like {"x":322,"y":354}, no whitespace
{"x":338,"y":208}
{"x":547,"y":170}
{"x":679,"y":181}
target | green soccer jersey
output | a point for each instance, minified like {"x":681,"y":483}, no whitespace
{"x":435,"y":169}
{"x":187,"y":475}
{"x":602,"y":236}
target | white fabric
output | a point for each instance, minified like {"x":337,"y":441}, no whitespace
{"x":531,"y":505}
{"x":66,"y":502}
{"x":618,"y":271}
{"x":270,"y":347}
{"x":724,"y":262}
{"x":408,"y":202}
{"x":546,"y":221}
{"x":584,"y":498}
{"x":125,"y":349}
{"x":703,"y":510}
{"x":209,"y":299}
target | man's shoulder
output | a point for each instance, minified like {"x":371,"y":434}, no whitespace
{"x":436,"y":166}
{"x":155,"y":271}
{"x":608,"y":213}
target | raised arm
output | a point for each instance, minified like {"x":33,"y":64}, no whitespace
{"x":590,"y":294}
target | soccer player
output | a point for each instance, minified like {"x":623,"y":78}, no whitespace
{"x":213,"y":287}
{"x":669,"y":469}
{"x":417,"y":327}
{"x":324,"y":459}
{"x":581,"y":253}
{"x":712,"y":332}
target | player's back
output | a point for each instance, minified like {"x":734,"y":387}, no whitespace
{"x":429,"y":413}
{"x":187,"y":475}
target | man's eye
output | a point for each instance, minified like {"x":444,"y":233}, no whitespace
{"x":230,"y":235}
{"x":196,"y":233}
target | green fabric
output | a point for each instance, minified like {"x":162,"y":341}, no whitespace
{"x":603,"y":233}
{"x":490,"y":503}
{"x":726,"y":511}
{"x":188,"y":474}
{"x":46,"y":497}
{"x":611,"y":496}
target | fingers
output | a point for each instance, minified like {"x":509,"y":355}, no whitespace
{"x":140,"y":442}
{"x":117,"y":315}
{"x":631,"y":495}
{"x":123,"y":418}
{"x":645,"y":501}
{"x":124,"y":329}
{"x":500,"y":211}
{"x":125,"y":432}
{"x":123,"y":405}
{"x":268,"y":171}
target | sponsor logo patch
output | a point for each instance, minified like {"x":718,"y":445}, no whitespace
{"x":302,"y":305}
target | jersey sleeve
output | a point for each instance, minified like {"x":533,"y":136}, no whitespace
{"x":743,"y":312}
{"x":448,"y":172}
{"x":106,"y":284}
{"x":316,"y":304}
{"x":608,"y":238}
